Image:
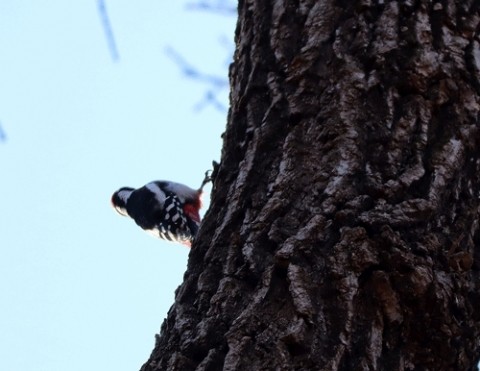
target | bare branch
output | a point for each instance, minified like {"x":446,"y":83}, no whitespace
{"x":107,"y":28}
{"x":215,"y":83}
{"x":211,"y":98}
{"x":3,"y":135}
{"x":220,"y":6}
{"x":192,"y":72}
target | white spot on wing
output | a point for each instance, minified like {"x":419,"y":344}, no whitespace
{"x":159,"y":194}
{"x":182,"y":191}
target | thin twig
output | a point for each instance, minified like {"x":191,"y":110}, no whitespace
{"x":216,"y":83}
{"x":3,"y":135}
{"x":221,"y":7}
{"x":107,"y":28}
{"x":192,"y":72}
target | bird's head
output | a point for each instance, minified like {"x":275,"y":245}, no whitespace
{"x":120,"y":198}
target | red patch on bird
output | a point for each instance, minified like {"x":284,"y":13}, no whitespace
{"x":192,"y":208}
{"x":192,"y":211}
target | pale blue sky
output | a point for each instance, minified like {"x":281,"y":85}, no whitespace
{"x":81,"y":287}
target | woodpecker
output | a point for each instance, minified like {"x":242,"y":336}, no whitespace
{"x":165,"y":209}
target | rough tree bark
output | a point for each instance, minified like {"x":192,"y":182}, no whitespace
{"x":343,"y":232}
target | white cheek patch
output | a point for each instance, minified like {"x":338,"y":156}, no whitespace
{"x":121,"y":211}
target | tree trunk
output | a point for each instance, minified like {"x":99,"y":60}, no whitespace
{"x":343,"y":232}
